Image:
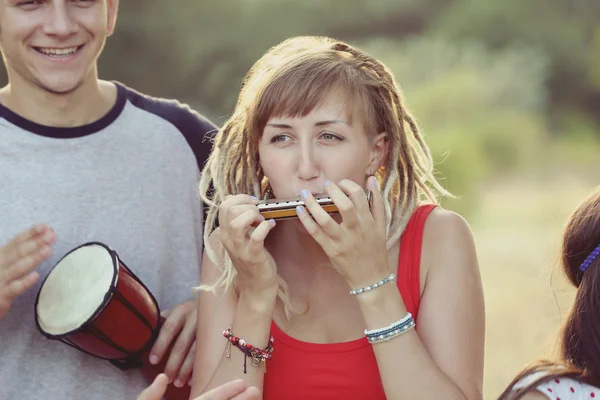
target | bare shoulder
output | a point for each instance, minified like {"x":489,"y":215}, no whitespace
{"x":443,"y":224}
{"x":447,"y":237}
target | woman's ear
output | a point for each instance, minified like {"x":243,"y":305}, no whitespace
{"x":379,"y":150}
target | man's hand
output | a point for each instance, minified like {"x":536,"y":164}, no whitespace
{"x":233,"y":390}
{"x":178,"y":329}
{"x":18,"y":261}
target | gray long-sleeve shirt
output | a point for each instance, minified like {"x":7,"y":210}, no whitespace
{"x":128,"y":180}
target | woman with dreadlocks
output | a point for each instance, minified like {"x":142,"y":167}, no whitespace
{"x":576,"y":375}
{"x":379,"y":300}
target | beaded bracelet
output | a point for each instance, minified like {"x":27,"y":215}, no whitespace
{"x":373,"y":286}
{"x":255,"y":353}
{"x":391,"y":331}
{"x":390,"y":335}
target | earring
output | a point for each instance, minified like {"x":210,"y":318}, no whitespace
{"x":268,"y":191}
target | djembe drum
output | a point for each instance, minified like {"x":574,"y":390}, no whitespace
{"x":92,"y":301}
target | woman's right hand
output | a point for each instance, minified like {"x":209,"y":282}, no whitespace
{"x":233,"y":390}
{"x":242,"y":232}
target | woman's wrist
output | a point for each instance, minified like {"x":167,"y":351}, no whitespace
{"x":252,"y":321}
{"x":382,"y":301}
{"x":258,"y":303}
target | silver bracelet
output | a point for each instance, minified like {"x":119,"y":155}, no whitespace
{"x":373,"y":286}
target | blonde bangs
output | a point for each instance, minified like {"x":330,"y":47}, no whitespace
{"x":299,"y":89}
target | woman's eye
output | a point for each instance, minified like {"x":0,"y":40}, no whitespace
{"x":279,"y":139}
{"x":84,"y":3}
{"x":331,"y":137}
{"x":29,"y":3}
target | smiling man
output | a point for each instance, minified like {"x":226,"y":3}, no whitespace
{"x":82,"y":159}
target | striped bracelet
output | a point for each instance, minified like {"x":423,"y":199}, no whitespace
{"x":391,"y":331}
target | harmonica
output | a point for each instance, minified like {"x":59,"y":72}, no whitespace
{"x":282,"y":209}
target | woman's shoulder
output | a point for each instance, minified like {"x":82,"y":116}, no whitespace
{"x":448,"y":256}
{"x":564,"y":388}
{"x":445,"y":233}
{"x":437,"y":223}
{"x":445,"y":222}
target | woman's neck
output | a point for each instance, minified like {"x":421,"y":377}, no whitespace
{"x":298,"y":255}
{"x":311,"y":279}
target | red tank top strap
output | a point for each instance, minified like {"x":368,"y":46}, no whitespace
{"x":409,"y":262}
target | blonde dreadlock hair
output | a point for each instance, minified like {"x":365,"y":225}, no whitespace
{"x":292,"y":79}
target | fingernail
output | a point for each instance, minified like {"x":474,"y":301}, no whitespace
{"x":299,"y":210}
{"x":326,"y":183}
{"x":178,"y":383}
{"x":45,"y":251}
{"x":254,"y":197}
{"x":304,"y":194}
{"x":272,"y":221}
{"x":375,"y":182}
{"x":153,"y":359}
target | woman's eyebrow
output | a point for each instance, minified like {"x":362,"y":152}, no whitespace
{"x":330,"y":122}
{"x":320,"y":123}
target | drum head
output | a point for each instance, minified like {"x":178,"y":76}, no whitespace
{"x":77,"y":288}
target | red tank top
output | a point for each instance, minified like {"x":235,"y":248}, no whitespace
{"x":301,"y":370}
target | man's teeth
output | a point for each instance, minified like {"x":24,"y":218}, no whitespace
{"x":57,"y":52}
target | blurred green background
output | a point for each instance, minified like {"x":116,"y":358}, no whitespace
{"x":507,"y":93}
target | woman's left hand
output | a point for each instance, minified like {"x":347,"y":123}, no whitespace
{"x":357,"y":245}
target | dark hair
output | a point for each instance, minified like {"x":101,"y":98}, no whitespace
{"x":580,"y":334}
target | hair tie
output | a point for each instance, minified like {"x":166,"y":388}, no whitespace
{"x":590,"y":259}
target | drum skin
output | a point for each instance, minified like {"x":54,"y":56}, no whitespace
{"x":128,"y":326}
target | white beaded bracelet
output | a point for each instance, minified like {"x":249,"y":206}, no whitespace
{"x":373,"y":286}
{"x":392,"y":326}
{"x":384,"y":337}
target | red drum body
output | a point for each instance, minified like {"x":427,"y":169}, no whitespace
{"x":91,"y":301}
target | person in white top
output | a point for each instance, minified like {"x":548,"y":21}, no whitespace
{"x":576,"y":375}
